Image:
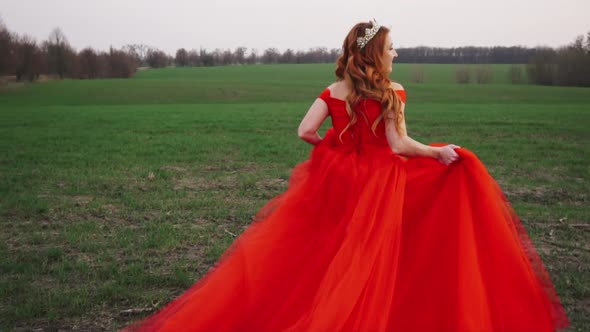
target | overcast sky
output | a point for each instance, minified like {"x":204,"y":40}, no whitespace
{"x":301,"y":24}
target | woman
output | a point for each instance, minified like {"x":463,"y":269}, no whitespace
{"x":365,"y":239}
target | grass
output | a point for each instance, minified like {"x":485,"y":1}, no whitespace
{"x":119,"y":194}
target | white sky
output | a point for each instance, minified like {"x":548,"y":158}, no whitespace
{"x":301,"y":24}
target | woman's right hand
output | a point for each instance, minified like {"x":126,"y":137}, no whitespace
{"x":446,"y":154}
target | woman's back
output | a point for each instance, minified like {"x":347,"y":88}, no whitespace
{"x":367,"y":112}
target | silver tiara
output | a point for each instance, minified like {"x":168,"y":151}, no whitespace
{"x":369,"y":33}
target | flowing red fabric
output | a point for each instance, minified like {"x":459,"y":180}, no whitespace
{"x":366,"y":240}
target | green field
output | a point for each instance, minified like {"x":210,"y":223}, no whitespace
{"x":119,"y":194}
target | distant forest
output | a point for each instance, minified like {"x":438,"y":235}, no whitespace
{"x":24,"y":58}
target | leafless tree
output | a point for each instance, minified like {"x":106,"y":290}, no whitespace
{"x":541,"y":67}
{"x":288,"y":56}
{"x":573,"y":64}
{"x":206,"y":58}
{"x":29,"y":61}
{"x":271,"y":55}
{"x":578,"y":44}
{"x":222,"y":57}
{"x":334,"y":54}
{"x":193,"y":58}
{"x":156,"y":58}
{"x":253,"y":57}
{"x":240,"y":55}
{"x":121,"y":64}
{"x":484,"y":74}
{"x":227,"y":57}
{"x":301,"y":56}
{"x":217,"y":56}
{"x":59,"y":53}
{"x":462,"y":74}
{"x":91,"y":64}
{"x":138,"y":51}
{"x":181,"y":59}
{"x":417,"y":73}
{"x":515,"y":74}
{"x":6,"y":50}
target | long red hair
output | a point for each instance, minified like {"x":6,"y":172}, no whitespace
{"x":365,"y":72}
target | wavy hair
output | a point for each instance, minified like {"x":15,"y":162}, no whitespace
{"x":364,"y":71}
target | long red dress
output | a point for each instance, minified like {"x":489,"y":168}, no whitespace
{"x":366,"y":240}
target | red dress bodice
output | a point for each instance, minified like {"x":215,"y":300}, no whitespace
{"x":360,"y":133}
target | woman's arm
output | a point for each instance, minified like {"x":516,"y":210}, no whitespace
{"x":312,"y":121}
{"x":403,"y":144}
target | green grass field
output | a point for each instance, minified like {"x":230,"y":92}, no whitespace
{"x":120,"y":194}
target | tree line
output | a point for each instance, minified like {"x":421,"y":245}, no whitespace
{"x":568,"y":65}
{"x":26,"y":59}
{"x":155,"y":58}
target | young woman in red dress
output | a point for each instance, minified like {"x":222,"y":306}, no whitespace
{"x":375,"y":232}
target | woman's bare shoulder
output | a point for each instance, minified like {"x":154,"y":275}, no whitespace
{"x":337,"y":85}
{"x":339,"y":90}
{"x":396,"y":86}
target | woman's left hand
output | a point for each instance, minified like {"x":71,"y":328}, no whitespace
{"x":447,"y":154}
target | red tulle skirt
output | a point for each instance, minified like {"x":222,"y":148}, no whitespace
{"x":366,"y":240}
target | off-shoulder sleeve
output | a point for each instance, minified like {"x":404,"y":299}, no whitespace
{"x":325,"y":95}
{"x":401,"y":94}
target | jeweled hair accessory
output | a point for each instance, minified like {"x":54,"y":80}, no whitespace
{"x":369,"y":33}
